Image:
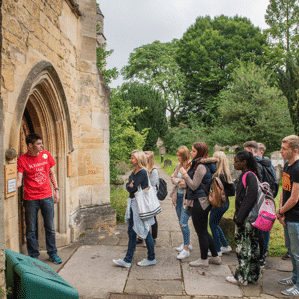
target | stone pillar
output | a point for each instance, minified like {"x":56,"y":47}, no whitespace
{"x":2,"y":210}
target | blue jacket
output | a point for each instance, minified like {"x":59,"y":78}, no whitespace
{"x":210,"y":164}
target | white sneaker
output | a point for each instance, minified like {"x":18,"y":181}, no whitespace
{"x":226,"y":249}
{"x":145,"y":262}
{"x":199,"y":263}
{"x":183,"y":254}
{"x":179,"y":249}
{"x":210,"y":253}
{"x":121,"y":263}
{"x":232,"y":279}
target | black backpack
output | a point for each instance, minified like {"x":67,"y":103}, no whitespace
{"x":267,"y":176}
{"x":162,"y":192}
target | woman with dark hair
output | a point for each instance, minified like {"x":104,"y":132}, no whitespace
{"x":198,"y":181}
{"x":247,"y":243}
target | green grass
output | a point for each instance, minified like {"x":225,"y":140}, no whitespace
{"x":276,"y":244}
{"x":168,"y":169}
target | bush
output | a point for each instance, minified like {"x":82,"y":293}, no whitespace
{"x":123,"y":136}
{"x":118,"y":200}
{"x":179,"y":136}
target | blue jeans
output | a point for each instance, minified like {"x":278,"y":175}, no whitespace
{"x":183,"y":218}
{"x":46,"y":205}
{"x":132,"y":243}
{"x":266,"y":240}
{"x":215,"y":217}
{"x":291,"y":233}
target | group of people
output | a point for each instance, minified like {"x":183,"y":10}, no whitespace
{"x":192,"y":179}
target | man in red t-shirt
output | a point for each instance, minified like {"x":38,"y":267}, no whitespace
{"x":37,"y":169}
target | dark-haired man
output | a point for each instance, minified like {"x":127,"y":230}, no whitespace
{"x":37,"y":169}
{"x":288,"y":212}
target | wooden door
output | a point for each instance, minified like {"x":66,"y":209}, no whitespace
{"x":26,"y":129}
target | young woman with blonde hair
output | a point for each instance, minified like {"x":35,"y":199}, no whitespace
{"x":216,"y":214}
{"x":139,"y":177}
{"x":178,"y":196}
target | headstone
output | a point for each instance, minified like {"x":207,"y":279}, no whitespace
{"x":162,"y":150}
{"x":278,"y":163}
{"x":159,"y":142}
{"x":234,"y":173}
{"x":226,"y":148}
{"x":167,"y":162}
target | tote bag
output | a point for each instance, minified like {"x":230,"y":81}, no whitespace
{"x":147,"y":201}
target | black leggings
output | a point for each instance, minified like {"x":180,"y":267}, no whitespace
{"x":155,"y":229}
{"x":200,"y":222}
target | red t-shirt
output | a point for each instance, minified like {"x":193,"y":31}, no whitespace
{"x":35,"y":171}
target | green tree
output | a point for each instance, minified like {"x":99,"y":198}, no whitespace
{"x":208,"y":53}
{"x":123,"y":136}
{"x":153,"y":115}
{"x":283,"y":18}
{"x":252,"y":110}
{"x":154,"y":64}
{"x":102,"y":54}
{"x":288,"y":82}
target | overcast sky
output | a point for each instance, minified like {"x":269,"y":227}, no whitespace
{"x":129,"y":24}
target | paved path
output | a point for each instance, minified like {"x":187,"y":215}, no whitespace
{"x":88,"y":267}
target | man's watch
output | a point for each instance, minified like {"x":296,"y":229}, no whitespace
{"x":279,"y":212}
{"x":56,"y":189}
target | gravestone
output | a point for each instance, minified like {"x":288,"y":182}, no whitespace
{"x":162,"y":150}
{"x":278,"y":163}
{"x":234,"y":173}
{"x":167,"y":162}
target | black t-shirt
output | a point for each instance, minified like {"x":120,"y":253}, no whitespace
{"x":290,"y":176}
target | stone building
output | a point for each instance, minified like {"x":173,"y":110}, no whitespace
{"x":50,"y":85}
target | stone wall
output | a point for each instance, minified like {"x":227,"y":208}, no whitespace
{"x":56,"y":32}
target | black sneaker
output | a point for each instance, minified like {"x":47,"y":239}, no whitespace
{"x":286,"y":256}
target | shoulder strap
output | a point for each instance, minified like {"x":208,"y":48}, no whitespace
{"x":203,"y":186}
{"x":244,"y":177}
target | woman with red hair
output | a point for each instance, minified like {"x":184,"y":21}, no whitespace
{"x":198,"y":180}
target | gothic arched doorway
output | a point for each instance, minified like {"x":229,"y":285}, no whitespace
{"x":42,"y":109}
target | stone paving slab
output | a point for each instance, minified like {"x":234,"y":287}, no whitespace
{"x":125,"y":296}
{"x":65,"y":253}
{"x":274,"y":263}
{"x":209,"y":282}
{"x":167,"y":267}
{"x":270,"y":284}
{"x":91,"y":271}
{"x":154,"y":287}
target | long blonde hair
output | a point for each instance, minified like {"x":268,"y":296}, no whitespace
{"x":222,"y":166}
{"x":184,"y":153}
{"x":141,"y":158}
{"x":150,"y":160}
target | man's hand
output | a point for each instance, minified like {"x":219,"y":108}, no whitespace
{"x":56,"y":196}
{"x":281,"y":220}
